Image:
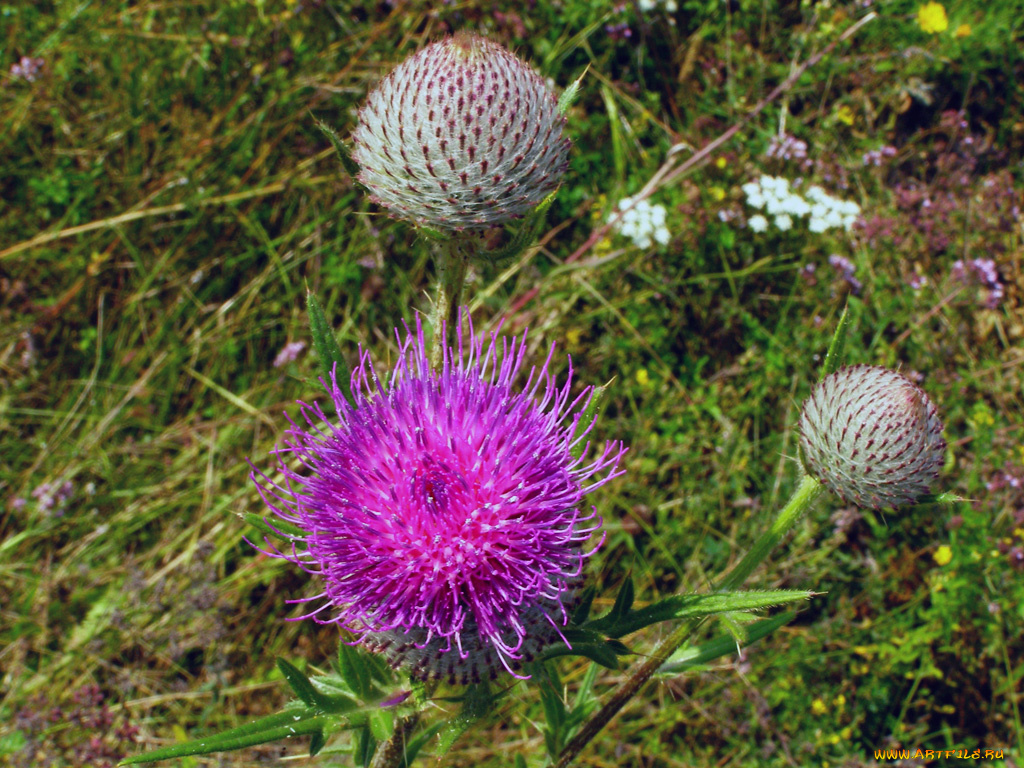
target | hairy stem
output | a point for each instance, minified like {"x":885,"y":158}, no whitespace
{"x":801,"y":500}
{"x":452,"y":263}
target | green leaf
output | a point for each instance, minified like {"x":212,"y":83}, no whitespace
{"x":381,"y":724}
{"x":702,"y":654}
{"x":300,"y":684}
{"x":283,"y":725}
{"x":525,"y":235}
{"x":601,"y":653}
{"x":326,"y":345}
{"x":686,"y":606}
{"x":519,"y":760}
{"x":270,"y":525}
{"x":415,"y":744}
{"x":834,"y":356}
{"x":346,"y":159}
{"x":624,"y":600}
{"x":355,"y":670}
{"x":565,"y":101}
{"x":589,"y":414}
{"x":366,"y":745}
{"x":477,"y":703}
{"x":582,"y":610}
{"x":316,"y":743}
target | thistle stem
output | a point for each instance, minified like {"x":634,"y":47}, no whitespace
{"x":452,"y":264}
{"x":801,"y":500}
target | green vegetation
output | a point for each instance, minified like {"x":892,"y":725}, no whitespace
{"x":168,"y":197}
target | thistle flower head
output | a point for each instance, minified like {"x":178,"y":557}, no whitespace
{"x":872,"y":437}
{"x":441,"y":512}
{"x":462,"y":135}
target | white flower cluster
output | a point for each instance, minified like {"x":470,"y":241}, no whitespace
{"x":642,"y":222}
{"x":774,"y":196}
{"x":647,"y":6}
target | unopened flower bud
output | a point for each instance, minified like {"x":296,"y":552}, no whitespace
{"x":462,"y":135}
{"x":872,"y":437}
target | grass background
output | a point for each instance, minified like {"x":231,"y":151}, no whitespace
{"x":167,"y":197}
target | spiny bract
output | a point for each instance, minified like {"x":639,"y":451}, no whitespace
{"x":442,"y":511}
{"x":462,"y":135}
{"x":872,"y":437}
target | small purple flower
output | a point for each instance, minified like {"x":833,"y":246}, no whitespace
{"x":27,"y":69}
{"x":288,"y":353}
{"x":984,"y":273}
{"x":846,"y":271}
{"x":442,"y":510}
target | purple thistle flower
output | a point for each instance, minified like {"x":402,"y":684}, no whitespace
{"x":441,"y":511}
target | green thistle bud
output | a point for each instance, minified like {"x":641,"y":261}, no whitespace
{"x":462,"y":135}
{"x":872,"y":437}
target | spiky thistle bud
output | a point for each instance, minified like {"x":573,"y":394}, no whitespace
{"x":462,"y":135}
{"x":872,"y":437}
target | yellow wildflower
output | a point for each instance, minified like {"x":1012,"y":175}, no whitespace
{"x":818,"y":707}
{"x":717,"y":193}
{"x":931,"y":18}
{"x":844,"y":115}
{"x":572,"y":337}
{"x":943,"y":555}
{"x":642,"y":378}
{"x":963,"y":30}
{"x":722,"y":162}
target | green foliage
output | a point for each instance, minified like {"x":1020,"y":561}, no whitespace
{"x":137,"y":367}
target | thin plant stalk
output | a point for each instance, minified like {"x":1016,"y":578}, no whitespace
{"x":801,"y":500}
{"x":452,"y":264}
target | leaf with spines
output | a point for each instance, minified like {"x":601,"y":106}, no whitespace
{"x":569,"y":95}
{"x":695,"y":656}
{"x":326,"y":345}
{"x":343,"y":154}
{"x":834,"y":356}
{"x":688,"y":606}
{"x":355,"y":669}
{"x":299,"y":721}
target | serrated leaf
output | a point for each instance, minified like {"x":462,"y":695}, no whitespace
{"x":834,"y":356}
{"x":528,"y":230}
{"x":283,"y":725}
{"x":381,"y":724}
{"x":720,"y":646}
{"x":326,"y":345}
{"x":686,"y":606}
{"x":350,"y":165}
{"x":565,"y":101}
{"x":354,"y":669}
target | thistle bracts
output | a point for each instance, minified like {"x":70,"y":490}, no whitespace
{"x":872,"y":437}
{"x":462,"y":135}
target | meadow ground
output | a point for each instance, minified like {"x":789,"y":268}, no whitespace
{"x":167,"y":198}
